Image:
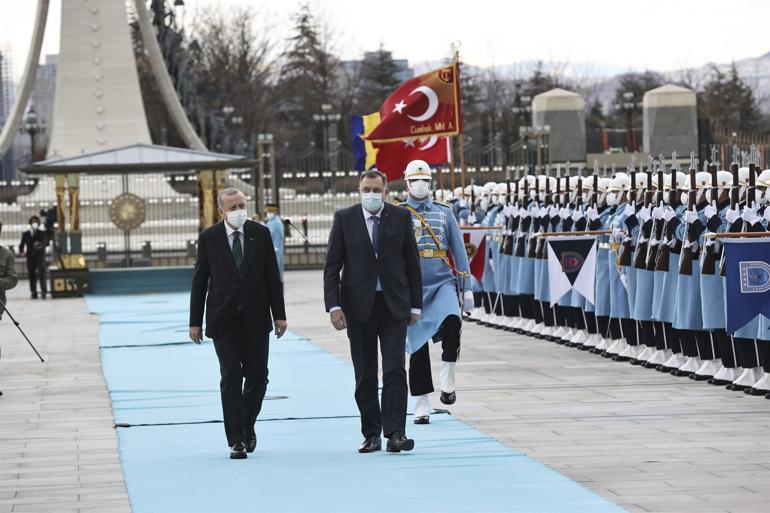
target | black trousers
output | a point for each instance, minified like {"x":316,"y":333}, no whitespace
{"x":36,"y":272}
{"x":363,"y":350}
{"x":420,"y":378}
{"x":243,"y":371}
{"x":747,"y":352}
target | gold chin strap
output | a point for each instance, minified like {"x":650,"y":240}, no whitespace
{"x":435,"y":240}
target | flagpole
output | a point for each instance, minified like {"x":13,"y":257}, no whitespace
{"x":456,"y":59}
{"x":451,"y":154}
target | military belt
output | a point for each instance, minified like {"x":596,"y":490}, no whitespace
{"x":605,"y":245}
{"x":432,"y":253}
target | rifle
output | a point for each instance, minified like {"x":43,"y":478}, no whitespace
{"x":643,"y":239}
{"x":652,"y":249}
{"x":595,"y":194}
{"x":521,"y":240}
{"x":711,"y":252}
{"x":473,"y":202}
{"x":664,"y":251}
{"x":541,"y":243}
{"x":627,"y":247}
{"x":735,"y":192}
{"x":506,"y":246}
{"x":685,"y":257}
{"x":532,"y":251}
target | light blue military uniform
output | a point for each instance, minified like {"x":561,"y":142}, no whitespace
{"x":664,"y":299}
{"x":645,"y":280}
{"x":488,"y":281}
{"x":712,"y":287}
{"x":619,"y":304}
{"x":439,"y":284}
{"x":688,"y":314}
{"x":525,"y":266}
{"x":277,"y":233}
{"x":601,"y":305}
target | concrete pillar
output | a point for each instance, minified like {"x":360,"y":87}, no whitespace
{"x":670,"y":120}
{"x":564,"y":112}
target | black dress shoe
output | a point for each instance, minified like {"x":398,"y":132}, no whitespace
{"x":370,"y":444}
{"x":397,"y":442}
{"x":679,"y":373}
{"x":755,"y":391}
{"x":238,"y":451}
{"x":700,"y":377}
{"x":718,"y":382}
{"x":619,"y":358}
{"x":250,"y":441}
{"x":448,"y":398}
{"x":423,"y":419}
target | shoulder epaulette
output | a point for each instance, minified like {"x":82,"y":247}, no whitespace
{"x":447,"y":205}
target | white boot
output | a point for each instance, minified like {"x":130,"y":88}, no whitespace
{"x":763,"y":384}
{"x":708,"y":369}
{"x":748,"y":377}
{"x":692,"y":364}
{"x":603,"y":343}
{"x":592,"y":340}
{"x":725,"y":375}
{"x":422,"y":409}
{"x":559,"y":332}
{"x":675,"y":361}
{"x":448,"y":395}
{"x":537,"y":329}
{"x":646,"y":353}
{"x":617,"y":346}
{"x":568,"y":335}
{"x":660,"y":356}
{"x":580,"y":337}
{"x":547,"y":332}
{"x":631,"y":352}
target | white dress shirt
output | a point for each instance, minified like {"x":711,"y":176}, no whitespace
{"x":369,"y":222}
{"x":229,"y":230}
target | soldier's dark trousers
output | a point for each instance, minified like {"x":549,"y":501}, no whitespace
{"x":707,"y":345}
{"x":747,"y":352}
{"x":726,"y":348}
{"x":420,"y":378}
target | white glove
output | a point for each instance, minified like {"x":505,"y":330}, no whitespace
{"x":535,"y":211}
{"x":492,"y":264}
{"x":690,"y":216}
{"x":629,"y":210}
{"x":553,"y":211}
{"x":471,"y":218}
{"x":710,"y":211}
{"x":657,"y":213}
{"x":463,"y":203}
{"x":669,"y":214}
{"x":644,"y":214}
{"x":524,"y":213}
{"x":468,"y":302}
{"x":577,"y":215}
{"x":592,"y":214}
{"x":617,"y":233}
{"x":749,"y":215}
{"x":543,"y":212}
{"x":733,"y":214}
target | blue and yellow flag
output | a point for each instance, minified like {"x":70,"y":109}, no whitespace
{"x":363,"y":151}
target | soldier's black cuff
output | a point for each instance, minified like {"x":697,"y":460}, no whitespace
{"x":566,"y":224}
{"x":695,"y":229}
{"x":737,"y":226}
{"x":647,"y":228}
{"x":756,"y":227}
{"x":580,"y":224}
{"x":555,"y":221}
{"x":631,"y":222}
{"x":714,"y":223}
{"x":673,"y":224}
{"x":595,"y":224}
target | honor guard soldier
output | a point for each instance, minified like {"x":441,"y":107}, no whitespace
{"x":437,"y":234}
{"x":277,"y":232}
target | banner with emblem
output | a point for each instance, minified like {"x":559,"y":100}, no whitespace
{"x":475,"y":240}
{"x":424,"y":106}
{"x":571,"y":265}
{"x":747,"y":262}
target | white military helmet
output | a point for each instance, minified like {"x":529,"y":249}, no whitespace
{"x":489,"y":187}
{"x":681,"y":181}
{"x":703,"y":180}
{"x":573,"y":182}
{"x":469,"y":189}
{"x":724,"y":179}
{"x":641,"y":180}
{"x":458,"y":192}
{"x":501,"y":188}
{"x":604,"y":184}
{"x":667,"y":182}
{"x":620,"y":182}
{"x":478,"y":190}
{"x":743,"y":176}
{"x":417,"y":170}
{"x":763,"y":179}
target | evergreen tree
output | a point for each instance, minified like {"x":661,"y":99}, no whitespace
{"x":729,"y":102}
{"x":379,"y":78}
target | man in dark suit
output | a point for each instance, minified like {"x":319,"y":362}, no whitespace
{"x":236,"y":265}
{"x":33,"y":244}
{"x":380,"y":292}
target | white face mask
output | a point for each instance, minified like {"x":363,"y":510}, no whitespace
{"x":484,"y":203}
{"x":612,"y":199}
{"x":586,"y":196}
{"x":699,"y":196}
{"x":372,"y":201}
{"x":419,"y":188}
{"x":541,"y":196}
{"x":684,"y":199}
{"x":270,"y":215}
{"x":35,"y":226}
{"x":236,"y":218}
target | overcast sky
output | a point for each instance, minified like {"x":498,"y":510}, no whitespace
{"x":655,"y":34}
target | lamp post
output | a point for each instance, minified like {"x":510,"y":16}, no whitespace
{"x":329,"y":122}
{"x":32,"y":126}
{"x":627,"y":107}
{"x":264,"y":149}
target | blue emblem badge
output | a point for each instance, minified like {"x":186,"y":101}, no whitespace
{"x":755,"y":277}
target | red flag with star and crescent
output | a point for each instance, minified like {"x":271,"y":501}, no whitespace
{"x":476,"y":247}
{"x":393,"y":157}
{"x":423,"y":106}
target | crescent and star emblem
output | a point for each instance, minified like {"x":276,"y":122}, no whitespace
{"x":432,"y":97}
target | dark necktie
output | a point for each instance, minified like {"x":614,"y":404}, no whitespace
{"x":238,"y":252}
{"x":375,"y":227}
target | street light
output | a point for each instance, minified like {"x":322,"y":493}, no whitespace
{"x":627,"y":107}
{"x":329,"y":122}
{"x":32,"y":126}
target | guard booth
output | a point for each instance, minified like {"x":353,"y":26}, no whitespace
{"x":134,"y":206}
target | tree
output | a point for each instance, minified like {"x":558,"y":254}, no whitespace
{"x":307,"y":79}
{"x":379,"y":78}
{"x":729,"y":102}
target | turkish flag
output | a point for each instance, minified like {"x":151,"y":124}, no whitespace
{"x":423,"y":106}
{"x":393,"y":157}
{"x":476,"y":247}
